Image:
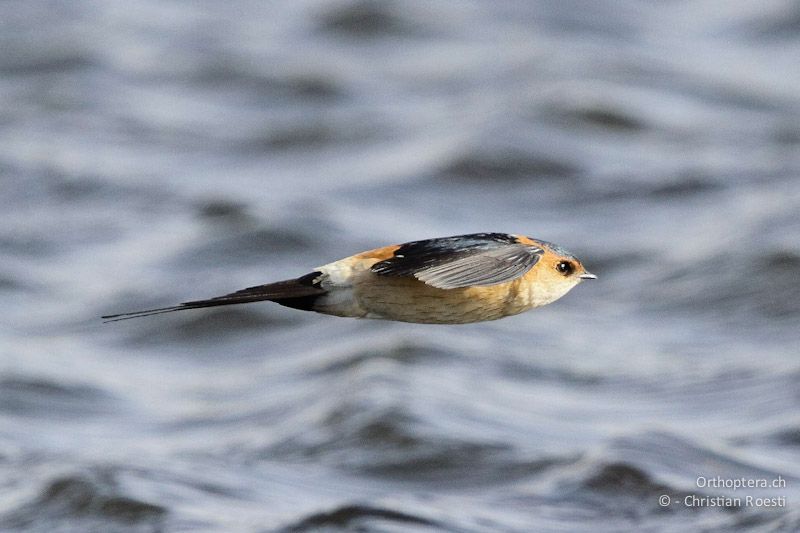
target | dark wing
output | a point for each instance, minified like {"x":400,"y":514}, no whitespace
{"x":282,"y":291}
{"x":462,"y":261}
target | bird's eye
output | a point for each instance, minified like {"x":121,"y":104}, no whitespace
{"x":565,"y":267}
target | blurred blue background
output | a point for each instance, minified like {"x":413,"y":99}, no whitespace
{"x":157,"y":151}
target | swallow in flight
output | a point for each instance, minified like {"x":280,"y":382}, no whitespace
{"x":449,"y":280}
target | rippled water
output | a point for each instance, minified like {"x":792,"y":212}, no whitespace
{"x":154,"y":152}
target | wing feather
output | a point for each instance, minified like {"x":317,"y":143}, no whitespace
{"x":462,"y":261}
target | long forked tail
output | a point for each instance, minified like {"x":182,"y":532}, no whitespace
{"x":299,"y":293}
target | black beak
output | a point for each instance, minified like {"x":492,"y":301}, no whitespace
{"x":587,"y":275}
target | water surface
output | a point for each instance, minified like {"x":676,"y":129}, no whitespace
{"x":156,"y":152}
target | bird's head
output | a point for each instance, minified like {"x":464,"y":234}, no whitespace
{"x":558,"y":271}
